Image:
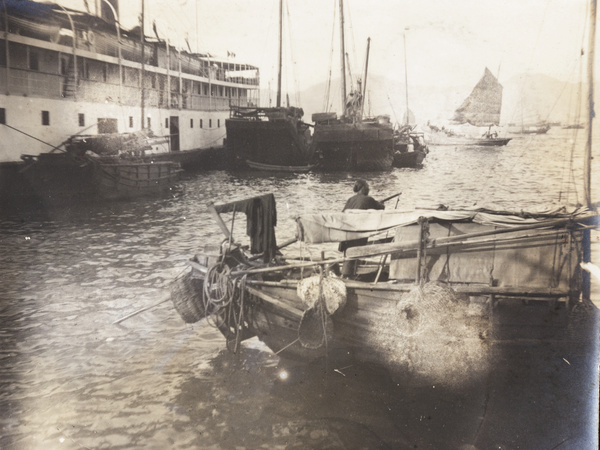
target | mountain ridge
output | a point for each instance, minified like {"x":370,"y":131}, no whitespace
{"x":527,"y":97}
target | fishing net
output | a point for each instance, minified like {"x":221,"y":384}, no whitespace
{"x":186,"y":294}
{"x":435,"y":333}
{"x":316,"y":327}
{"x":332,"y":290}
{"x":416,"y":310}
{"x":321,"y":297}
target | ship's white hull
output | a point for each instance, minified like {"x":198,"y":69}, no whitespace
{"x":25,"y":133}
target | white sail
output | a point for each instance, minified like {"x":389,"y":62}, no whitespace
{"x":482,"y":107}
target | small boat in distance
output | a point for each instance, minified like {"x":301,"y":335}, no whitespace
{"x":276,"y":168}
{"x":410,"y":149}
{"x":270,"y":137}
{"x":409,"y":145}
{"x":480,"y":109}
{"x":537,"y":128}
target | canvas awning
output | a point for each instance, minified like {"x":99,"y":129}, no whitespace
{"x":356,"y":224}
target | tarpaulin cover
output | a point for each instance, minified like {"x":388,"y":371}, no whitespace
{"x":527,"y":260}
{"x":356,"y":224}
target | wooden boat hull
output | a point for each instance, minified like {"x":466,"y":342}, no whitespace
{"x":280,"y":142}
{"x":362,"y":146}
{"x":387,"y":312}
{"x":491,"y":142}
{"x":279,"y":168}
{"x":412,"y":159}
{"x":135,"y":179}
{"x":468,"y":142}
{"x":61,"y":177}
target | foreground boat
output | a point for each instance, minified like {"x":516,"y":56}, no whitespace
{"x":115,"y":166}
{"x":416,"y":263}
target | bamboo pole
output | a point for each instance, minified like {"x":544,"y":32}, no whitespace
{"x":421,"y":245}
{"x":285,"y":244}
{"x":375,"y":250}
{"x":380,"y":249}
{"x":146,"y":308}
{"x":587,"y":177}
{"x":296,"y":313}
{"x":508,"y":291}
{"x":391,"y":197}
{"x":219,"y":220}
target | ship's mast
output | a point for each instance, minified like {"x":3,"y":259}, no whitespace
{"x":406,"y":81}
{"x":587,"y":178}
{"x":364,"y":92}
{"x":280,"y":53}
{"x":143,"y":43}
{"x":343,"y":56}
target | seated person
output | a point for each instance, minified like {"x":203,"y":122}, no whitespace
{"x":361,"y":200}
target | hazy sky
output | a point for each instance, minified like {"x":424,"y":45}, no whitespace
{"x":448,"y":42}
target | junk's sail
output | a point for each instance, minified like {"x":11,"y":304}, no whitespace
{"x":482,"y":107}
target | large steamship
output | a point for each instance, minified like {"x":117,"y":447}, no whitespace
{"x":65,"y":73}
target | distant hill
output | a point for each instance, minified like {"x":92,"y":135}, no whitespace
{"x":528,"y":96}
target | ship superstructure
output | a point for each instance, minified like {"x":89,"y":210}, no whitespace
{"x":65,"y":72}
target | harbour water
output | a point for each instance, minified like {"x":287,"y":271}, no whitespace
{"x":70,"y":378}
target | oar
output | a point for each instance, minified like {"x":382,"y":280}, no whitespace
{"x":285,"y":244}
{"x":390,"y":197}
{"x":142,"y":310}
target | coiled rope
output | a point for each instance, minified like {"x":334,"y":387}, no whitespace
{"x":224,"y":302}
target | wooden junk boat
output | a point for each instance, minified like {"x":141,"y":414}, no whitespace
{"x":351,"y":141}
{"x":105,"y":166}
{"x":273,"y":138}
{"x":302,"y":308}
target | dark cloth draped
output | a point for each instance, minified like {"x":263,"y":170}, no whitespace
{"x":362,"y":201}
{"x":261,"y":219}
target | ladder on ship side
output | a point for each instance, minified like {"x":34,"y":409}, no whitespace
{"x":69,"y":88}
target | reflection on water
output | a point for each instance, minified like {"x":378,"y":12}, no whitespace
{"x":70,"y":378}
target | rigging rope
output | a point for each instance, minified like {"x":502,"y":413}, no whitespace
{"x":531,"y":58}
{"x":44,"y":142}
{"x":571,"y":176}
